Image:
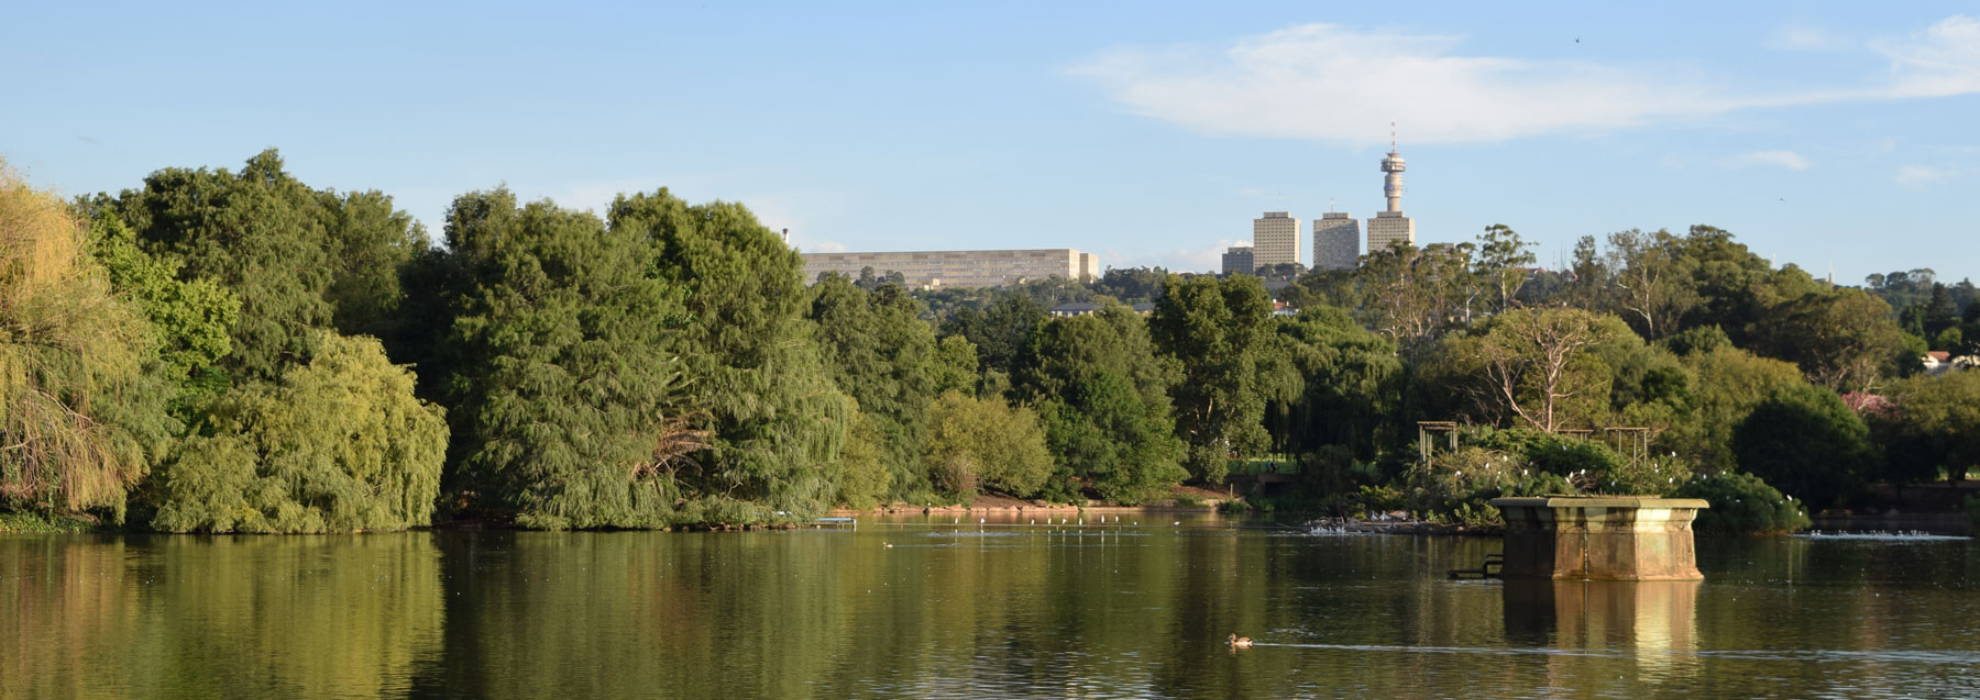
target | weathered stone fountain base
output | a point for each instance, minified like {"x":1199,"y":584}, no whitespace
{"x":1619,"y":538}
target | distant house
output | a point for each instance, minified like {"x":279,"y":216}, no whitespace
{"x":1937,"y":362}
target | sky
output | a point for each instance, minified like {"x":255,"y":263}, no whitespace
{"x":1835,"y":136}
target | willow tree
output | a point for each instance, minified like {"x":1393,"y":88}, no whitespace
{"x":337,"y":445}
{"x":563,"y":387}
{"x":76,"y":411}
{"x":777,"y":422}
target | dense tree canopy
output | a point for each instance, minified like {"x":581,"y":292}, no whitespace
{"x":1102,"y":393}
{"x":882,"y":354}
{"x":564,"y":378}
{"x":297,"y":258}
{"x":747,"y":353}
{"x":208,"y":346}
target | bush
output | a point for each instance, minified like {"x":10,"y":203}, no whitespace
{"x":1743,"y":504}
{"x":1537,"y":485}
{"x":1471,"y":475}
{"x":1591,"y":466}
{"x":864,"y":479}
{"x":1804,"y":439}
{"x":339,"y":445}
{"x":976,"y":442}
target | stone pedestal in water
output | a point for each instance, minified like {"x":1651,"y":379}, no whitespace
{"x":1622,"y":538}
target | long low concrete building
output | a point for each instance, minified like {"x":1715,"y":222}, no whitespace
{"x":959,"y":268}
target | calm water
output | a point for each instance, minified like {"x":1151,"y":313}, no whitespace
{"x":998,"y":611}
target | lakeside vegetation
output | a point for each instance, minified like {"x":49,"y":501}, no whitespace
{"x":236,"y":351}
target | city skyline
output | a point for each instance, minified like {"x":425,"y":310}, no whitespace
{"x":1805,"y":129}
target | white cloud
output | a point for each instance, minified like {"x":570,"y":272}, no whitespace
{"x":1942,"y":61}
{"x":1920,"y":175}
{"x":1202,"y":259}
{"x":1329,"y":83}
{"x":1783,"y":159}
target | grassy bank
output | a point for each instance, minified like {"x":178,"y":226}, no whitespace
{"x":30,"y":522}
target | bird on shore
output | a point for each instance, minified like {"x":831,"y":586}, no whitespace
{"x":1238,"y":642}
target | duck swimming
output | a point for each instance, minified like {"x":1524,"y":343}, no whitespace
{"x":1238,"y":642}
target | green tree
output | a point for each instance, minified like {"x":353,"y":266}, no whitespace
{"x":78,"y":411}
{"x":865,"y":478}
{"x":338,"y":445}
{"x":1503,"y":259}
{"x":776,"y":419}
{"x":1346,"y":389}
{"x":1133,"y":284}
{"x":1844,"y":340}
{"x":1102,"y":393}
{"x":882,"y":354}
{"x":955,"y":365}
{"x":1727,"y":384}
{"x":1001,"y":333}
{"x":1934,"y":425}
{"x":981,"y":442}
{"x":1537,"y":367}
{"x":1216,"y":330}
{"x":297,"y":259}
{"x":1410,"y":294}
{"x":564,"y":390}
{"x":1805,"y":441}
{"x":1652,"y":280}
{"x":190,"y":318}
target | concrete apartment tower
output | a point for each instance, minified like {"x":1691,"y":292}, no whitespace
{"x":1336,"y":242}
{"x":1274,"y":239}
{"x":1238,"y":260}
{"x":1390,"y":226}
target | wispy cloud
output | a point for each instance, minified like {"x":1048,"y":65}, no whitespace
{"x":1941,"y":61}
{"x":1781,"y":159}
{"x":1330,"y":83}
{"x":1202,"y":259}
{"x":1921,"y":175}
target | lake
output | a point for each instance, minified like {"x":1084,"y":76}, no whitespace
{"x":928,"y":607}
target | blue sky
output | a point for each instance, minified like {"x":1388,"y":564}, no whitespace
{"x":1152,"y":133}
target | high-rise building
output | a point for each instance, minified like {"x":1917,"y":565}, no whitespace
{"x":1274,"y":239}
{"x":959,"y":268}
{"x":1336,"y":242}
{"x":1391,"y":225}
{"x":1239,"y":261}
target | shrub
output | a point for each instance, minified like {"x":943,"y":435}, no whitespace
{"x":864,"y":478}
{"x":1743,"y":504}
{"x":339,"y":445}
{"x":982,"y":441}
{"x":1806,"y":440}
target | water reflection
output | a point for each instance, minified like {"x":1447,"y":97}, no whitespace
{"x":215,"y":617}
{"x":995,"y":610}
